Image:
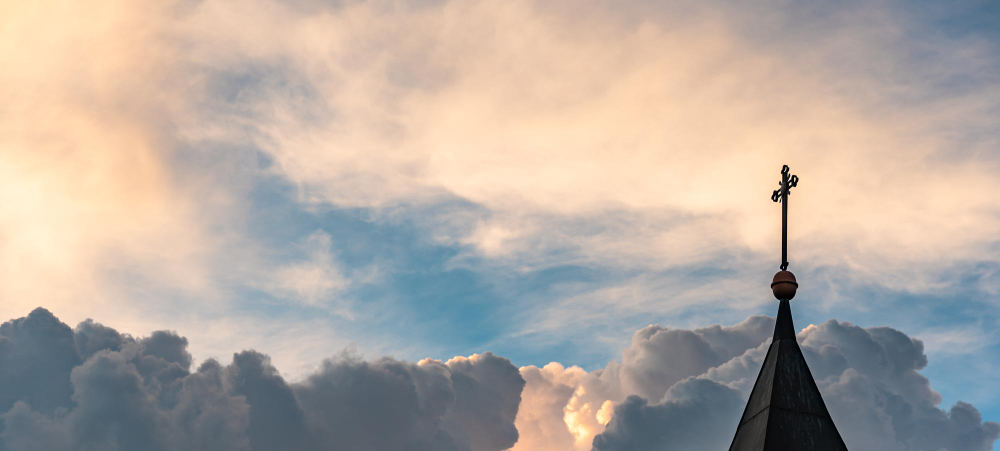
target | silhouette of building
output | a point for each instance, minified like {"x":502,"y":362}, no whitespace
{"x":785,"y":411}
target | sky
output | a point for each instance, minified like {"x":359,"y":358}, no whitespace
{"x":333,"y":183}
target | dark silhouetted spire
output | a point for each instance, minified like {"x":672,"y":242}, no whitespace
{"x":785,"y":411}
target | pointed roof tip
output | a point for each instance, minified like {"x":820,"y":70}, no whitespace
{"x":784,"y":329}
{"x":785,"y":410}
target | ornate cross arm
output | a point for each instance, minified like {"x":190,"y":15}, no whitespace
{"x":787,"y":182}
{"x":792,"y":181}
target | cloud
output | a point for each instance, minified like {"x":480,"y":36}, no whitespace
{"x":693,"y":415}
{"x":94,"y":388}
{"x":88,"y":193}
{"x":658,"y":360}
{"x":567,"y":125}
{"x":540,"y":421}
{"x":570,"y":124}
{"x":317,"y":280}
{"x":685,"y":389}
{"x":314,"y":280}
{"x":42,"y":382}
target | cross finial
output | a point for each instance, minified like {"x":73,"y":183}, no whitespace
{"x":787,"y":182}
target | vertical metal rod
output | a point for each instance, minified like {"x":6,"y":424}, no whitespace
{"x":784,"y":220}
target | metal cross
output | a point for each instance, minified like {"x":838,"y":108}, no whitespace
{"x":787,"y":182}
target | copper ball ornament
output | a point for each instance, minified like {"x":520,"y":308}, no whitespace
{"x":784,"y":285}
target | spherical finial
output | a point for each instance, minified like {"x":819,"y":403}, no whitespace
{"x":784,"y":285}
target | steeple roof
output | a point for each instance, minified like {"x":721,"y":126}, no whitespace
{"x":786,"y":411}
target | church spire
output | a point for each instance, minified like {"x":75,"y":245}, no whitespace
{"x":785,"y":411}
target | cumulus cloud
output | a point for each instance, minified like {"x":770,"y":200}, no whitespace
{"x":694,"y":415}
{"x":685,"y":389}
{"x":658,"y":360}
{"x":94,"y":388}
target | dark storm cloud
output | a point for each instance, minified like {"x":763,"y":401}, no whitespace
{"x":458,"y":405}
{"x":690,"y":418}
{"x":660,"y":357}
{"x":882,"y":398}
{"x":93,"y":388}
{"x":869,"y":378}
{"x":37,"y":354}
{"x":97,"y":389}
